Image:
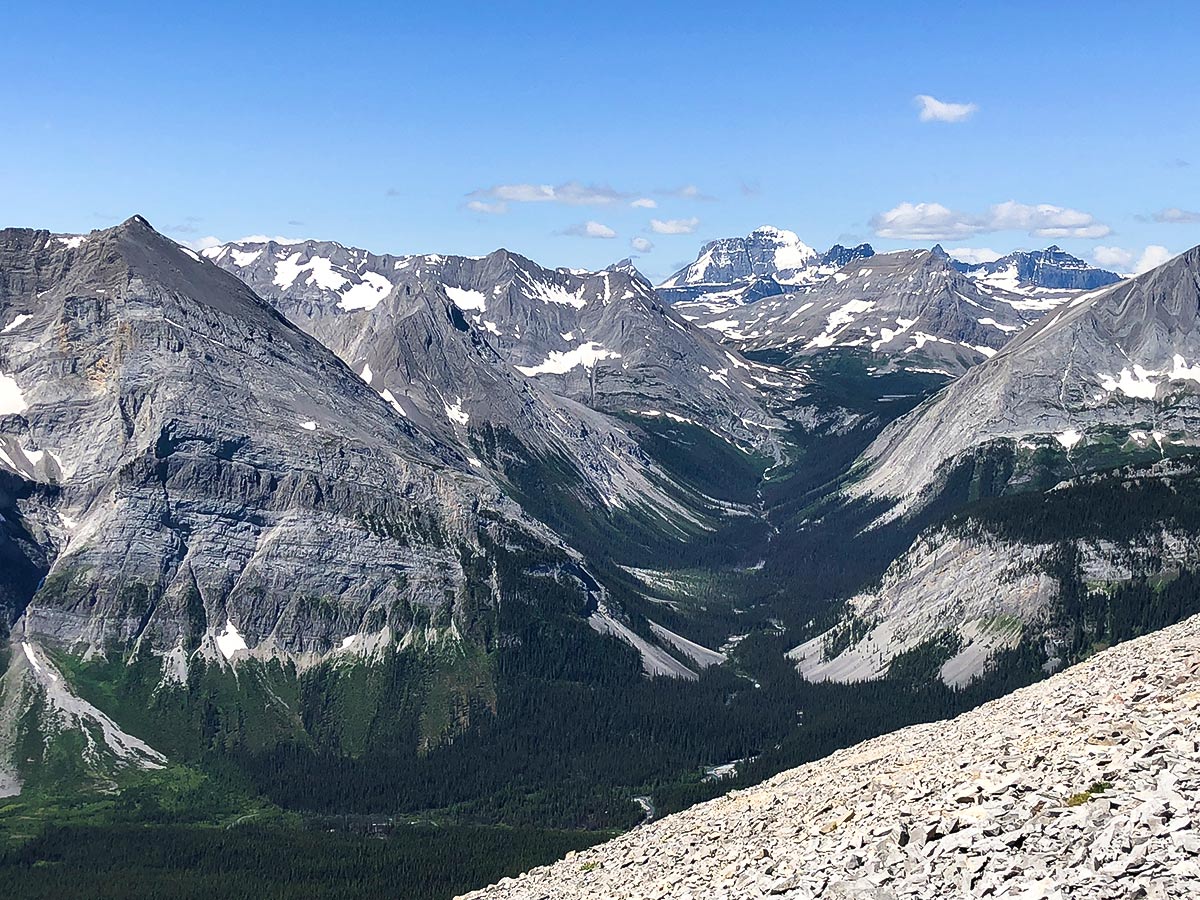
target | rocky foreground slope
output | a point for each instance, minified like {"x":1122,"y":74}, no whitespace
{"x":1084,"y":785}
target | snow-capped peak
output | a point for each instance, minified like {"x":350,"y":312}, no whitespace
{"x":767,"y":251}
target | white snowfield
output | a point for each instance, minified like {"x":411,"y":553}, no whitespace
{"x":1084,"y":785}
{"x":559,"y":362}
{"x":11,"y":399}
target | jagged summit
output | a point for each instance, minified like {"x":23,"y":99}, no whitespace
{"x":1039,"y":271}
{"x":769,"y":260}
{"x":838,"y":256}
{"x":601,"y":338}
{"x":766,"y":251}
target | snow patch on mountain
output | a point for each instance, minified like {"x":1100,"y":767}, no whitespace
{"x":1140,"y":382}
{"x":455,"y":413}
{"x":393,"y":402}
{"x":838,"y":320}
{"x":559,"y":362}
{"x":17,"y":322}
{"x":320,"y":271}
{"x":229,"y":640}
{"x":466,"y":299}
{"x":12,"y":400}
{"x":243,"y":258}
{"x":367,"y":293}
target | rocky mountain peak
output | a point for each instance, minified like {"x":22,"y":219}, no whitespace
{"x":176,"y":425}
{"x":136,"y":222}
{"x":628,"y":267}
{"x":1032,"y":271}
{"x":767,"y":262}
{"x":838,"y":255}
{"x":765,"y":252}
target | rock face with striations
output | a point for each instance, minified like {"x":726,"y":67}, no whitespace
{"x":974,"y":590}
{"x":192,"y":470}
{"x":1085,"y":785}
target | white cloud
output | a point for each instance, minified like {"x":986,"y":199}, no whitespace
{"x":493,"y":209}
{"x":932,"y":221}
{"x":1044,"y":220}
{"x":1116,"y":258}
{"x":571,"y":193}
{"x":922,"y":222}
{"x":203,"y":243}
{"x":1152,"y":257}
{"x":674,"y":226}
{"x":641,"y":244}
{"x":975,"y":255}
{"x":1175,"y":216}
{"x":644,"y":203}
{"x":1128,"y":262}
{"x":263,"y":239}
{"x":687,"y":192}
{"x":590,"y":229}
{"x":934,"y":110}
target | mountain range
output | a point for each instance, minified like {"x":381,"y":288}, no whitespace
{"x":917,"y":309}
{"x":345,"y":533}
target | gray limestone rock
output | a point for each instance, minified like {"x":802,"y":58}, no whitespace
{"x":195,"y":466}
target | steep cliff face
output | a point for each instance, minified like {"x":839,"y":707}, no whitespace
{"x":194,"y":471}
{"x":965,"y":593}
{"x":1039,"y":272}
{"x":972,"y":592}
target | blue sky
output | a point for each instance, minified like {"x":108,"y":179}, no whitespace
{"x":460,"y":128}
